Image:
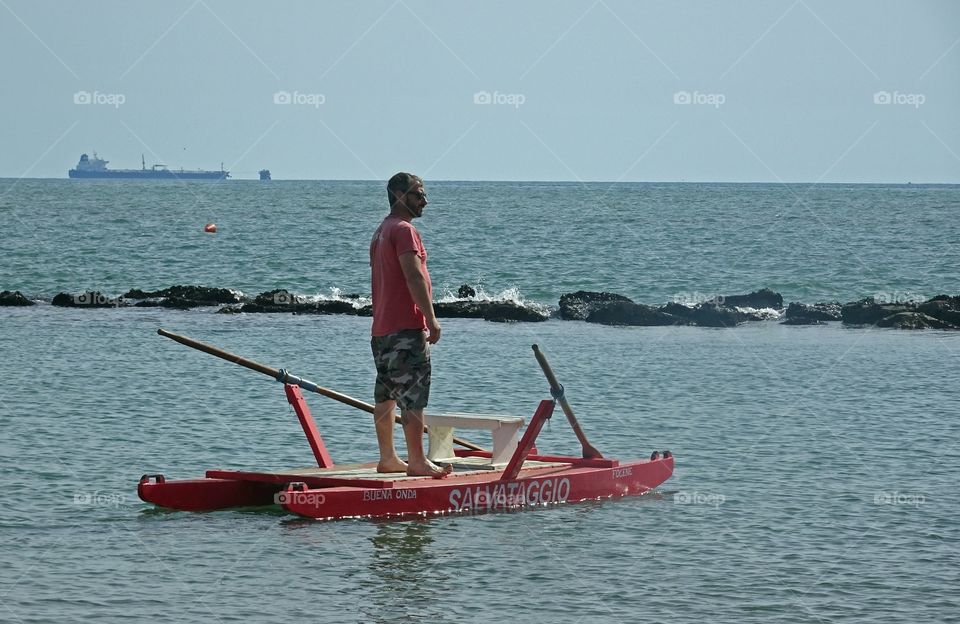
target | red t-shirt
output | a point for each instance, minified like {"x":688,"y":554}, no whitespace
{"x":393,"y":307}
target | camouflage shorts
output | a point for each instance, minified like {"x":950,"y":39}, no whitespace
{"x":403,"y":368}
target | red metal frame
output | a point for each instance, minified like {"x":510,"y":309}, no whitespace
{"x":295,"y":397}
{"x":329,"y":496}
{"x":544,"y":411}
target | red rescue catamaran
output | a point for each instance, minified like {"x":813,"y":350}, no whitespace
{"x":513,"y":474}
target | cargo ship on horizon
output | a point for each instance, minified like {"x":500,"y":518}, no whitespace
{"x":96,"y":167}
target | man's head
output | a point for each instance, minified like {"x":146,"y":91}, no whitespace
{"x":405,"y":193}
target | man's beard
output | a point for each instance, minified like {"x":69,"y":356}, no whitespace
{"x":415,"y":211}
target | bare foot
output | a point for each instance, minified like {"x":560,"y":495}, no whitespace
{"x":428,"y":469}
{"x":392,"y":465}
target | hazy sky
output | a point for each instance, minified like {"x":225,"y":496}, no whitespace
{"x":773,"y":90}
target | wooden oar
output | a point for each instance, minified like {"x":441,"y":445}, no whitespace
{"x":557,"y":391}
{"x":285,"y":377}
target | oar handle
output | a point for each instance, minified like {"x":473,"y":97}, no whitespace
{"x":285,"y":377}
{"x":557,"y":391}
{"x":278,"y":375}
{"x":547,"y":371}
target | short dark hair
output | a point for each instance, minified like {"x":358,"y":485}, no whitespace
{"x":401,"y":182}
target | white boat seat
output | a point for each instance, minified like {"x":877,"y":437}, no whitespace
{"x":506,"y":433}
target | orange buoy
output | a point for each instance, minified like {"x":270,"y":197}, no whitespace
{"x":210,"y":228}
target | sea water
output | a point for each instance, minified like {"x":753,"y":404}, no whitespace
{"x":816,"y":466}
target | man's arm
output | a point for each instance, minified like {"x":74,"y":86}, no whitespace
{"x":417,"y":285}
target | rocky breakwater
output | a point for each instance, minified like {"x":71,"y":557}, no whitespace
{"x":178,"y":297}
{"x":184,"y":297}
{"x":497,"y":311}
{"x":281,"y":301}
{"x":613,"y":309}
{"x":466,"y":306}
{"x":940,"y":312}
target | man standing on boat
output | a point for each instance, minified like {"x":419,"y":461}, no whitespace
{"x":404,"y":327}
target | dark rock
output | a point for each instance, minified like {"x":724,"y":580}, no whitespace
{"x":176,"y":303}
{"x":277,"y":297}
{"x":954,"y":302}
{"x":92,"y":299}
{"x":942,"y":307}
{"x":136,"y":293}
{"x":327,"y":307}
{"x":489,"y":310}
{"x":816,"y":314}
{"x":63,"y":300}
{"x":629,"y":313}
{"x":713,"y":315}
{"x":306,"y":307}
{"x":281,"y":301}
{"x":869,"y":312}
{"x":465,"y":292}
{"x":205,"y":295}
{"x":581,"y":304}
{"x":763,"y":298}
{"x":913,"y":320}
{"x":502,"y":311}
{"x":148,"y":303}
{"x":187,"y":296}
{"x":802,"y":320}
{"x":14,"y":298}
{"x":708,"y":314}
{"x":751,"y":316}
{"x":180,"y":303}
{"x":679,"y":310}
{"x":459,"y":309}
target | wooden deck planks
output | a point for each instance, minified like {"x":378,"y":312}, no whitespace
{"x":365,"y":475}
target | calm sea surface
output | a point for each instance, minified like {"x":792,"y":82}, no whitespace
{"x":817,"y":467}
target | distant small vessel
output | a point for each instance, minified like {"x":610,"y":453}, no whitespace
{"x":96,"y":167}
{"x":265,"y":174}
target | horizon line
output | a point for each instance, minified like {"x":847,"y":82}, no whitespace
{"x":540,"y":181}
